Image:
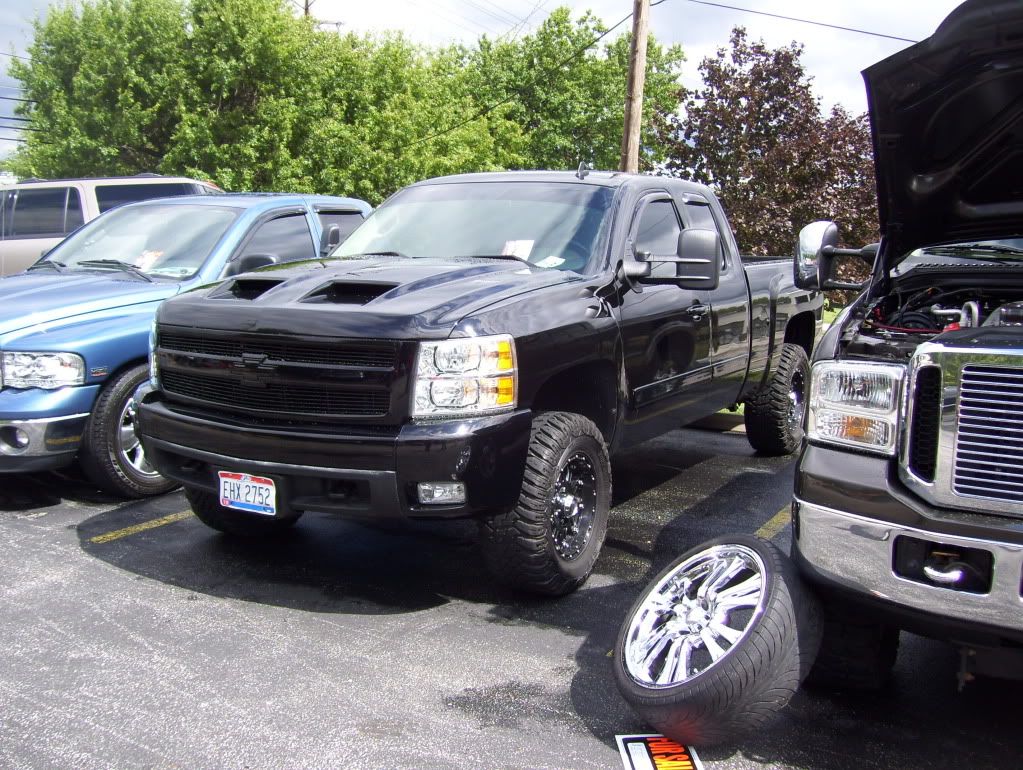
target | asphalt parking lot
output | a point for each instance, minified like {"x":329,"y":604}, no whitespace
{"x":135,"y":637}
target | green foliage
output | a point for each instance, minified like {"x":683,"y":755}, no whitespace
{"x":245,"y":94}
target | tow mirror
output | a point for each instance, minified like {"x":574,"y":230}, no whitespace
{"x":816,"y":252}
{"x":697,"y":261}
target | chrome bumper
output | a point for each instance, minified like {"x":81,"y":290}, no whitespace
{"x":856,"y":553}
{"x":44,"y":437}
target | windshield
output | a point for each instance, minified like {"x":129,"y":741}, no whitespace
{"x":550,"y":225}
{"x":159,"y":240}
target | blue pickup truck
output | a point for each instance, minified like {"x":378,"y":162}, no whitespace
{"x":74,"y":327}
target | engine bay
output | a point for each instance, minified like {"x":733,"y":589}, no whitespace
{"x":893,"y":325}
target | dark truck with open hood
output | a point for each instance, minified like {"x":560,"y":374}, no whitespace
{"x":909,"y":495}
{"x":477,"y":348}
{"x":908,"y":504}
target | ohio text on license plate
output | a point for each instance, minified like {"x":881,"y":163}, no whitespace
{"x":254,"y":494}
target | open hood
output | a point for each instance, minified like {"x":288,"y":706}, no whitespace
{"x":947,"y":122}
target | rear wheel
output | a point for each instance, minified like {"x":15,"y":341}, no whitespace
{"x":210,"y":512}
{"x":549,"y":542}
{"x":112,"y":456}
{"x":718,"y":642}
{"x":774,"y":414}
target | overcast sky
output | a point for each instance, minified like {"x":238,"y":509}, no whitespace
{"x":833,"y":58}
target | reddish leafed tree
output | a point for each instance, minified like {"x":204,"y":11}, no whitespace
{"x":755,"y":133}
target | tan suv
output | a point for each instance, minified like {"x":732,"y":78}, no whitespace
{"x":35,"y":215}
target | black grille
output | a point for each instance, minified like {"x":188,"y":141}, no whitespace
{"x":923,"y":437}
{"x":283,"y":350}
{"x":277,"y":397}
{"x":989,"y":436}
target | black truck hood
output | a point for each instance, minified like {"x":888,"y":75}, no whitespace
{"x":947,"y":122}
{"x":383,"y":298}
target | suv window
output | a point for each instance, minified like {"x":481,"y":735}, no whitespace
{"x":287,"y":238}
{"x":46,"y":212}
{"x":346,"y":220}
{"x":110,"y":195}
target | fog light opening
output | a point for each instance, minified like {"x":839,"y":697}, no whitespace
{"x":441,"y":492}
{"x":15,"y":438}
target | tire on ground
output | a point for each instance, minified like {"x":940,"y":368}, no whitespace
{"x":770,"y":425}
{"x":108,"y":444}
{"x":210,"y":512}
{"x":716,"y":700}
{"x":857,"y":653}
{"x":519,"y":546}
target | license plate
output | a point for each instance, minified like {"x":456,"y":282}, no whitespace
{"x":254,"y":494}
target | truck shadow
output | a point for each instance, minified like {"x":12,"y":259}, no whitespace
{"x":27,"y":491}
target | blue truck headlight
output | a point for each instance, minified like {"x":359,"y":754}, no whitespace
{"x":465,"y":377}
{"x":26,"y":369}
{"x":855,"y":404}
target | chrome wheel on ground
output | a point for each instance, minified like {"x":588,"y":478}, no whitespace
{"x":694,"y":615}
{"x":718,"y":642}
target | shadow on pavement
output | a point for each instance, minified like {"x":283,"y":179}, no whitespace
{"x":28,"y":491}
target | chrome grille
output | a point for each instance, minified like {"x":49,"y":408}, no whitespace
{"x":989,"y":438}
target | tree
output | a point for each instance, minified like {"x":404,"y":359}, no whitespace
{"x":755,"y":133}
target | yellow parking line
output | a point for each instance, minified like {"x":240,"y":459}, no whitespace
{"x":776,"y":523}
{"x":136,"y":528}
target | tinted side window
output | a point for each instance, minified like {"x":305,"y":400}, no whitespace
{"x":659,"y":229}
{"x":38,"y":213}
{"x":110,"y":195}
{"x":346,"y":220}
{"x":287,"y":238}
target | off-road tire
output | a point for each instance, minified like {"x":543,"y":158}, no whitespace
{"x":753,"y":680}
{"x":100,"y":456}
{"x":769,"y":429}
{"x":518,"y":545}
{"x":211,"y":513}
{"x":856,"y":653}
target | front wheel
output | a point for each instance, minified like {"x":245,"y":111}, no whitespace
{"x":718,"y":642}
{"x":112,"y":456}
{"x":549,"y":542}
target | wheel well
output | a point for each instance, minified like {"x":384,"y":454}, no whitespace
{"x":799,"y":331}
{"x":588,"y":390}
{"x":117,"y":372}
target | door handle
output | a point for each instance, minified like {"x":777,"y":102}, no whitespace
{"x":697,"y":311}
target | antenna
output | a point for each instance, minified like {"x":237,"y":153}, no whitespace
{"x":584,"y":169}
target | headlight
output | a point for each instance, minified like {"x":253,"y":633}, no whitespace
{"x":475,"y":375}
{"x":42,"y":370}
{"x":154,"y":368}
{"x":855,"y":404}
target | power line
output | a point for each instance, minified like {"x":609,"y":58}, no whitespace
{"x":487,"y":110}
{"x":15,"y":56}
{"x":488,"y":12}
{"x":21,"y":128}
{"x":17,"y":99}
{"x":802,"y":21}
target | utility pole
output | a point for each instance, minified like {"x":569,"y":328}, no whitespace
{"x":634,"y":88}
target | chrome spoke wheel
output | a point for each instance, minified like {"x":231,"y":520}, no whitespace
{"x":129,"y":448}
{"x":574,"y":506}
{"x":694,"y":616}
{"x":797,"y":403}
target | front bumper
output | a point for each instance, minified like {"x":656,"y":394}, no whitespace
{"x":42,"y":429}
{"x":356,"y":472}
{"x":849,"y":513}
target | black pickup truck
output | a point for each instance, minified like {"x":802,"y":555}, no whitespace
{"x":478,"y":348}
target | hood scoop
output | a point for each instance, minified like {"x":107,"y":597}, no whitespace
{"x":246,"y":288}
{"x":348,"y":293}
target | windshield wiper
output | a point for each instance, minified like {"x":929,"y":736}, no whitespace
{"x":60,"y":267}
{"x":117,"y":265}
{"x":963,"y":248}
{"x":515,"y":257}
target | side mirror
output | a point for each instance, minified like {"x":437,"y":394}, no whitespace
{"x":330,"y":239}
{"x":811,"y":268}
{"x":250,"y":262}
{"x":697,"y":261}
